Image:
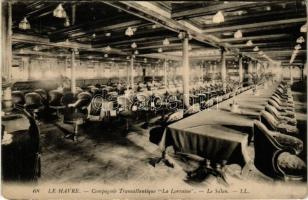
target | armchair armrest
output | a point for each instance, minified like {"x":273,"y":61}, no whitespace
{"x":288,"y":120}
{"x":287,"y":129}
{"x":74,"y":105}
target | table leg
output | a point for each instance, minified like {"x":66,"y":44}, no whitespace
{"x":154,"y":161}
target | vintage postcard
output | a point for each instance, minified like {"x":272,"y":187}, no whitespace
{"x":153,"y":99}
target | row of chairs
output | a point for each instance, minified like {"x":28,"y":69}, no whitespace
{"x":156,"y":133}
{"x":277,"y":141}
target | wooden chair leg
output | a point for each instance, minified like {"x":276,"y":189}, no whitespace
{"x":75,"y":132}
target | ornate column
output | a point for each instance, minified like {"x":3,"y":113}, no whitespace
{"x":132,"y":72}
{"x":240,"y":63}
{"x":291,"y":75}
{"x":6,"y":45}
{"x":127,"y":76}
{"x":73,"y":71}
{"x":165,"y":72}
{"x":186,"y":69}
{"x":223,"y":69}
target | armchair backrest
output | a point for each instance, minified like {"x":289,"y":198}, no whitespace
{"x":18,"y":98}
{"x":33,"y":99}
{"x":265,"y":150}
{"x":272,"y":110}
{"x":43,"y":93}
{"x":192,"y":110}
{"x":179,"y":114}
{"x":84,"y":98}
{"x":274,"y":98}
{"x":95,"y":106}
{"x":268,"y":120}
{"x":55,"y":97}
{"x":68,"y":98}
{"x":124,"y":102}
{"x":275,"y":104}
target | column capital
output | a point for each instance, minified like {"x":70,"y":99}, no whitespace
{"x":222,"y":50}
{"x":184,"y":35}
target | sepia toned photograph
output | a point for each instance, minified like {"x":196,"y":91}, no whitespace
{"x":153,"y":99}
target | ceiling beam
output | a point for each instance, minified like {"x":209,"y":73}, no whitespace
{"x":110,"y":24}
{"x":256,"y":25}
{"x":143,"y":35}
{"x":148,"y":13}
{"x":201,"y":11}
{"x":259,"y":37}
{"x":45,"y":41}
{"x":113,"y":28}
{"x":277,"y":51}
{"x":265,"y":44}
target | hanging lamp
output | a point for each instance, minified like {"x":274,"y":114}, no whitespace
{"x":59,"y":12}
{"x":24,"y":24}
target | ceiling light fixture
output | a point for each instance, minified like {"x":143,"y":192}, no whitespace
{"x":108,"y":48}
{"x":59,"y":12}
{"x":107,"y":34}
{"x":36,"y":48}
{"x":166,"y":42}
{"x":297,"y":47}
{"x":160,"y":50}
{"x":256,"y":49}
{"x":181,"y":35}
{"x":249,"y":43}
{"x":300,"y":40}
{"x":106,"y":55}
{"x":145,"y":60}
{"x":134,"y":45}
{"x":67,"y":22}
{"x":268,"y":8}
{"x":130,"y":31}
{"x":136,"y":52}
{"x":76,"y":51}
{"x":24,"y":24}
{"x":304,"y":28}
{"x":238,"y":34}
{"x":218,"y":17}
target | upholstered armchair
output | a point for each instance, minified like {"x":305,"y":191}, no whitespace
{"x":288,"y":99}
{"x":192,"y":110}
{"x":43,"y":94}
{"x":275,"y":159}
{"x":274,"y":125}
{"x":18,"y":98}
{"x":34,"y":104}
{"x":76,"y":112}
{"x":209,"y":103}
{"x":286,"y":110}
{"x":55,"y":103}
{"x":21,"y":156}
{"x":281,"y":103}
{"x":125,"y":111}
{"x":279,"y":116}
{"x":157,"y":132}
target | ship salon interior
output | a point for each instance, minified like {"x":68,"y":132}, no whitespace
{"x":200,"y":93}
